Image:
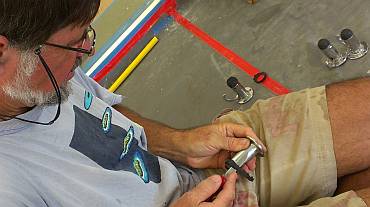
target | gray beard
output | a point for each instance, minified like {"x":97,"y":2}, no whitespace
{"x":18,"y":88}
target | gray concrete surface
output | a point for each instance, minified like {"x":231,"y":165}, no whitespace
{"x":182,"y":80}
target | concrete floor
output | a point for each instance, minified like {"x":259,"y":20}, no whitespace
{"x":182,"y":80}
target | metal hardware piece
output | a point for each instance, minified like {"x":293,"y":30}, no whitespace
{"x":244,"y":94}
{"x":333,"y":58}
{"x":356,"y":48}
{"x":242,"y":157}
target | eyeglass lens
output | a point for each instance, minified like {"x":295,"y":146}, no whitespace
{"x":89,"y":42}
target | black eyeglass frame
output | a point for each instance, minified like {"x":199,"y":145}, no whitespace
{"x":89,"y":52}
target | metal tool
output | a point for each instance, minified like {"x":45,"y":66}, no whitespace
{"x":237,"y":162}
{"x":333,"y":58}
{"x":356,"y":48}
{"x":244,"y":94}
{"x":242,"y":157}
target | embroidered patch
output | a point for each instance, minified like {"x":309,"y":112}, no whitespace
{"x":107,"y":120}
{"x":127,"y":141}
{"x":88,"y":100}
{"x":139,"y":166}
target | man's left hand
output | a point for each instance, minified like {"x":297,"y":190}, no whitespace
{"x":210,"y":146}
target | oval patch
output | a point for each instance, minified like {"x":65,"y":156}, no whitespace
{"x":88,"y":100}
{"x":127,"y":141}
{"x":139,"y":166}
{"x":107,"y":120}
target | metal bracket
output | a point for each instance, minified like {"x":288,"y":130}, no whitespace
{"x":248,"y":95}
{"x":244,"y":94}
{"x":333,"y":58}
{"x":356,"y":48}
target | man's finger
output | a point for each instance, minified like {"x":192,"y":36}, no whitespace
{"x":250,"y":165}
{"x":227,"y":195}
{"x":205,"y":189}
{"x":240,"y":131}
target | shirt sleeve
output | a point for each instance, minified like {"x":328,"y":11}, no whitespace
{"x":102,"y":93}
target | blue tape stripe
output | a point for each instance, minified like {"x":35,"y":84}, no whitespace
{"x":123,"y":43}
{"x":161,"y":25}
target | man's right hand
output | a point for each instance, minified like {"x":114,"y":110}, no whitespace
{"x":205,"y":189}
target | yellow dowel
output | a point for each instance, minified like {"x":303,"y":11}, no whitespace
{"x":133,"y":65}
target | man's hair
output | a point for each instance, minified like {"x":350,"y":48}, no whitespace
{"x":29,"y":23}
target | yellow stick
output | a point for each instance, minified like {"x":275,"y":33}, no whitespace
{"x":133,"y":65}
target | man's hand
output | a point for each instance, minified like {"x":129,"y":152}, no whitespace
{"x":210,"y":146}
{"x":204,"y":190}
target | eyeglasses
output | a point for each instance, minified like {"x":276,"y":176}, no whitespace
{"x":88,"y":45}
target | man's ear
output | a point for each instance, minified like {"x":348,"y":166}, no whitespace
{"x":4,"y":44}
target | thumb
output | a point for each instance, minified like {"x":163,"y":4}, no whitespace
{"x":206,"y":188}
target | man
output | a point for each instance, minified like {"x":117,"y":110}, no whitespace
{"x":65,"y":141}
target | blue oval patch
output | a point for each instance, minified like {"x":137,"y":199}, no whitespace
{"x":88,"y":100}
{"x":107,"y":120}
{"x":127,"y":141}
{"x":139,"y":166}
